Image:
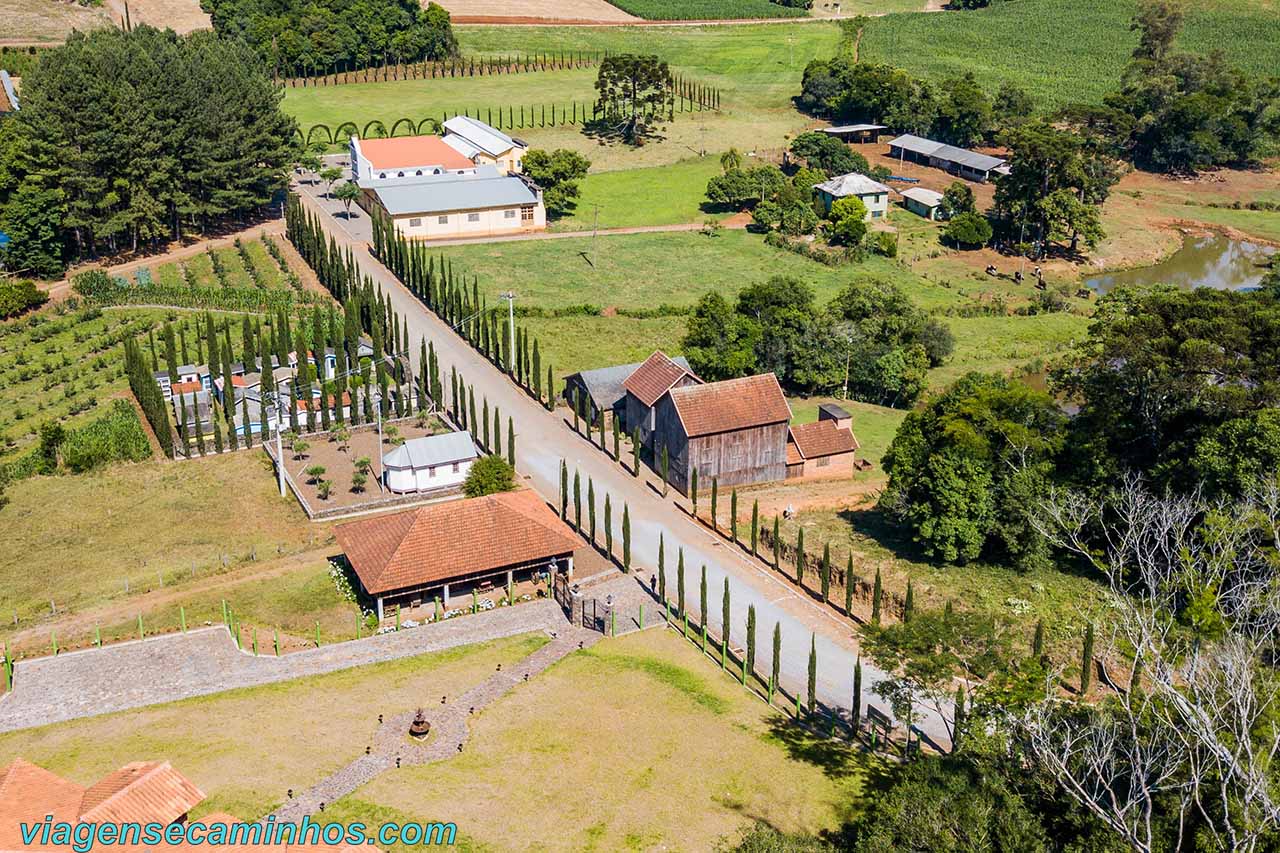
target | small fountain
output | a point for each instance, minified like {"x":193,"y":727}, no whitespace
{"x":420,"y":728}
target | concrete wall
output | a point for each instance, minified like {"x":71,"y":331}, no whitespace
{"x":471,"y":223}
{"x":406,"y":480}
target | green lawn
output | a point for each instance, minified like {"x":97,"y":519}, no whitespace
{"x":658,"y":195}
{"x":647,"y":270}
{"x":1064,"y":51}
{"x":570,"y":344}
{"x":1007,"y":344}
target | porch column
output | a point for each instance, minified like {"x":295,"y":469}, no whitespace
{"x":511,"y":575}
{"x":446,"y":595}
{"x":379,"y":609}
{"x":570,"y":565}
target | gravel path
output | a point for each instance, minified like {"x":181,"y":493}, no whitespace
{"x":393,"y":747}
{"x":201,"y":662}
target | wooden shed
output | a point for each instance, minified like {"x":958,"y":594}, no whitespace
{"x":733,"y":431}
{"x":657,"y":375}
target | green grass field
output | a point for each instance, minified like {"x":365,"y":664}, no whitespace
{"x":644,"y":271}
{"x":705,"y":10}
{"x":1007,"y":344}
{"x":557,"y":764}
{"x":658,"y":195}
{"x":874,"y":425}
{"x":1064,"y":51}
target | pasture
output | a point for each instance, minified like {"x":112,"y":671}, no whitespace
{"x":706,"y":10}
{"x":46,"y":21}
{"x":633,"y":783}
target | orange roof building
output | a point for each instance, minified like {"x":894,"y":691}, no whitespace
{"x":142,"y":792}
{"x":438,"y":550}
{"x":646,"y":385}
{"x":733,"y":432}
{"x":825,"y":448}
{"x":405,"y":156}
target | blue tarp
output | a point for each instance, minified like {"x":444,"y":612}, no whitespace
{"x":4,"y":240}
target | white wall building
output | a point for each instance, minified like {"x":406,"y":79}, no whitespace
{"x":485,"y":145}
{"x":429,"y":463}
{"x":874,"y":194}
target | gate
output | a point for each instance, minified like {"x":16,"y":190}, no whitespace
{"x":584,"y":612}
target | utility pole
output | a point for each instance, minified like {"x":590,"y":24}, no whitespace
{"x":510,"y":296}
{"x":595,"y":228}
{"x":848,"y":354}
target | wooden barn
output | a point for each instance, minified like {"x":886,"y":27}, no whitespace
{"x":733,"y":431}
{"x":646,"y":385}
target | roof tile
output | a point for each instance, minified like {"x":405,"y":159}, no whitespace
{"x":654,"y":377}
{"x":822,"y":438}
{"x":731,"y":404}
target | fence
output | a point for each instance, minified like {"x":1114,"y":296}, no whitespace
{"x":486,"y":66}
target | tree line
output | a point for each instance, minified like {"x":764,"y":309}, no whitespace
{"x":295,"y":37}
{"x":126,"y":138}
{"x":453,"y":66}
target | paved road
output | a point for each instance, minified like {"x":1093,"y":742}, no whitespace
{"x":544,"y":439}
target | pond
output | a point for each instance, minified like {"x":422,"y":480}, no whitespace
{"x":1205,"y":260}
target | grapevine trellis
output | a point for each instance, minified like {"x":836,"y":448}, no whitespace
{"x":684,"y":96}
{"x":485,"y":66}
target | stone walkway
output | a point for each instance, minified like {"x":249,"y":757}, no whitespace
{"x":180,"y":666}
{"x":392,"y":746}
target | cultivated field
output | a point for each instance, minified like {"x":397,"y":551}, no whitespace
{"x":706,"y":10}
{"x":39,"y":21}
{"x":1064,"y":51}
{"x":181,"y":16}
{"x":595,"y":11}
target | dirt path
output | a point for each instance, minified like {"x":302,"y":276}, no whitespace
{"x":83,"y":621}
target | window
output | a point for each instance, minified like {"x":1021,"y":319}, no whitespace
{"x":399,"y":174}
{"x":509,"y":214}
{"x":382,"y":175}
{"x":473,"y":217}
{"x":526,"y":213}
{"x":822,"y":462}
{"x":416,"y":222}
{"x":431,"y":472}
{"x":456,"y":467}
{"x":519,"y":164}
{"x":442,"y":220}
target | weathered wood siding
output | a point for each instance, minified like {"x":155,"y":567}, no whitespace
{"x":741,"y":457}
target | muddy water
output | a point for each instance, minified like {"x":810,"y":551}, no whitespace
{"x":1203,"y":261}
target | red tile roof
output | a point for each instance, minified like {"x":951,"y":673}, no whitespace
{"x":346,"y":401}
{"x":654,"y":378}
{"x":730,"y":405}
{"x":27,"y":794}
{"x":186,"y":387}
{"x":401,"y":152}
{"x":821,"y":438}
{"x":142,"y":792}
{"x":452,"y":539}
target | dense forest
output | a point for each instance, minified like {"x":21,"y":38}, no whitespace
{"x":321,"y":36}
{"x":126,"y":138}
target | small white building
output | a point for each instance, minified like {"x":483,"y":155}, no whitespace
{"x":485,"y":145}
{"x":923,"y":202}
{"x":874,"y":194}
{"x":429,"y":463}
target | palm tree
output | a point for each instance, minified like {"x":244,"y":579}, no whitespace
{"x":730,"y":160}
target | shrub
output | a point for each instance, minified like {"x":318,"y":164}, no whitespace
{"x":18,"y":296}
{"x":117,"y":436}
{"x":968,"y":229}
{"x":488,"y":476}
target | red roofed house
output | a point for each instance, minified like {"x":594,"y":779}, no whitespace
{"x":441,"y":549}
{"x":655,"y":376}
{"x":733,"y":431}
{"x":825,"y":448}
{"x":138,"y":794}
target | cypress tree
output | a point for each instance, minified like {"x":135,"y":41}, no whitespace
{"x":693,"y":490}
{"x":1086,"y":661}
{"x":244,"y":416}
{"x":511,"y":442}
{"x":497,"y":431}
{"x":800,"y":557}
{"x":182,"y":426}
{"x":751,"y":639}
{"x":702,"y":600}
{"x":608,"y":526}
{"x":777,"y":544}
{"x":725,"y":622}
{"x":575,"y":403}
{"x":856,"y":710}
{"x":666,"y":468}
{"x":564,"y":491}
{"x":577,"y":501}
{"x":217,"y":427}
{"x":877,"y":591}
{"x":733,"y":516}
{"x":662,"y":568}
{"x":824,"y":572}
{"x":715,"y":503}
{"x":635,"y":452}
{"x":680,"y":582}
{"x":617,"y":440}
{"x":199,"y":426}
{"x":813,"y":673}
{"x":171,"y":351}
{"x":591,"y":511}
{"x":472,"y":420}
{"x":848,"y":587}
{"x":600,"y":418}
{"x":1037,"y":642}
{"x":908,"y":603}
{"x":551,"y":390}
{"x":626,"y":538}
{"x":755,"y":527}
{"x":537,"y":372}
{"x":484,"y":423}
{"x":777,"y":659}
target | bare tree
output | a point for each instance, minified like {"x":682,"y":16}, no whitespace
{"x":1195,"y":597}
